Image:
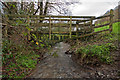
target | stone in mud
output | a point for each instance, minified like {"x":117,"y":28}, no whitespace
{"x":69,"y":52}
{"x":100,"y":74}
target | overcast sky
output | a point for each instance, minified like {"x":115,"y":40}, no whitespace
{"x":89,"y":7}
{"x":93,"y":7}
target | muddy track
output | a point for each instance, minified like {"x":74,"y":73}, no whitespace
{"x":60,"y":66}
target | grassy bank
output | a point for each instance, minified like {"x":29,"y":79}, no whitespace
{"x":98,"y":54}
{"x":20,"y":57}
{"x":22,"y":66}
{"x":95,"y":51}
{"x":115,"y":28}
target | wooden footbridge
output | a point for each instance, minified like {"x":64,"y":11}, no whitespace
{"x":68,"y":27}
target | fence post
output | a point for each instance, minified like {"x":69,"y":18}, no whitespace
{"x":35,"y":22}
{"x":49,"y":27}
{"x":119,"y":23}
{"x":70,"y":26}
{"x":59,"y":37}
{"x":6,"y":27}
{"x":84,"y":31}
{"x":76,"y":30}
{"x":92,"y":28}
{"x":53,"y":37}
{"x":28,"y":27}
{"x":62,"y":37}
{"x":59,"y":29}
{"x":111,"y":20}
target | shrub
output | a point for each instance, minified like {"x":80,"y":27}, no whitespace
{"x":101,"y":51}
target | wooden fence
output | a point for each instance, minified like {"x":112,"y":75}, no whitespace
{"x":84,"y":23}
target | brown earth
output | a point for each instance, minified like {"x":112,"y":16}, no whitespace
{"x":62,"y":66}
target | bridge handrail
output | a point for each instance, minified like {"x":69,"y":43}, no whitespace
{"x":15,"y":15}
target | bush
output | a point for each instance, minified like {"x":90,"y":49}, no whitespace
{"x":101,"y":51}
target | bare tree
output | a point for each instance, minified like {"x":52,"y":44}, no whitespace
{"x":53,"y":6}
{"x":44,"y":7}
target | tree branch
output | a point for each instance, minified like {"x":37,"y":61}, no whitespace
{"x":5,"y":5}
{"x":46,"y":7}
{"x":37,"y":10}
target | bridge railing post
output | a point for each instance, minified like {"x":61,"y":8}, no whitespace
{"x":92,"y":28}
{"x":70,"y":26}
{"x":59,"y":29}
{"x":49,"y":27}
{"x":111,"y":20}
{"x":28,"y":22}
{"x":35,"y":22}
{"x":6,"y":27}
{"x":76,"y":30}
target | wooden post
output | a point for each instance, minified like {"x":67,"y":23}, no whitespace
{"x":38,"y":21}
{"x":70,"y":26}
{"x":83,"y":30}
{"x":49,"y":27}
{"x":35,"y":22}
{"x":59,"y":37}
{"x":76,"y":30}
{"x":35,"y":29}
{"x":59,"y":29}
{"x":111,"y":20}
{"x":6,"y":27}
{"x":92,"y":28}
{"x":62,"y":37}
{"x":53,"y":37}
{"x":119,"y":23}
{"x":28,"y":27}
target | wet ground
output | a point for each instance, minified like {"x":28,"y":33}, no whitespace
{"x":58,"y":66}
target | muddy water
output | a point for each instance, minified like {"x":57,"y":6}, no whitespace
{"x":59,"y":66}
